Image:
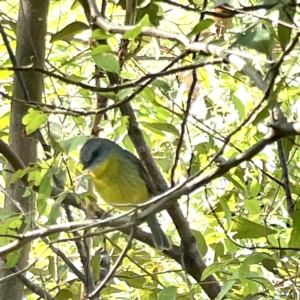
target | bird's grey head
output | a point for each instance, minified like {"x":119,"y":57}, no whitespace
{"x":95,"y":151}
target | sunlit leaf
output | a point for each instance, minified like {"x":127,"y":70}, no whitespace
{"x":236,"y":181}
{"x":100,"y":34}
{"x":64,"y":295}
{"x":255,"y":187}
{"x":133,"y":33}
{"x":239,"y":105}
{"x":100,"y":49}
{"x":5,"y":74}
{"x":33,"y":120}
{"x":239,"y":219}
{"x":18,"y":175}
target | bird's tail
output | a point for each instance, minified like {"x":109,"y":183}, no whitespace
{"x":160,"y":240}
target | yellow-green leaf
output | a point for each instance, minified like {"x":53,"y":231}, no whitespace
{"x":33,"y":120}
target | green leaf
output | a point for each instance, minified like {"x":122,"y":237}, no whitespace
{"x":35,"y":177}
{"x":18,"y":175}
{"x":254,"y":38}
{"x":100,"y":34}
{"x":7,"y":214}
{"x":11,"y":227}
{"x":108,"y":62}
{"x":295,"y":234}
{"x":270,"y":264}
{"x":71,"y":144}
{"x":201,"y":243}
{"x":248,"y":229}
{"x":100,"y":49}
{"x":13,"y":258}
{"x":252,"y":259}
{"x":226,"y":288}
{"x":253,"y":206}
{"x":288,"y":144}
{"x":169,"y":293}
{"x":64,"y":294}
{"x":286,"y":15}
{"x":53,"y":215}
{"x":159,"y":127}
{"x":154,"y":11}
{"x":162,"y":84}
{"x":96,"y":264}
{"x":133,"y":33}
{"x":68,"y":33}
{"x":109,"y":291}
{"x":27,"y":192}
{"x":239,"y":105}
{"x":4,"y":74}
{"x":124,"y":93}
{"x":236,"y":181}
{"x":255,"y":187}
{"x":213,"y":268}
{"x":148,"y":93}
{"x":227,"y":211}
{"x":45,"y":190}
{"x":133,"y":279}
{"x":266,"y":284}
{"x":33,"y":120}
{"x":261,"y":116}
{"x":46,"y":184}
{"x":61,"y":197}
{"x":11,"y":24}
{"x":4,"y":120}
{"x":201,"y":26}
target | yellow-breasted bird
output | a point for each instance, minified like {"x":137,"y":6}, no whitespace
{"x":120,"y":178}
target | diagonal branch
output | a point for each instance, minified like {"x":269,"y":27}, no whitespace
{"x":161,"y":202}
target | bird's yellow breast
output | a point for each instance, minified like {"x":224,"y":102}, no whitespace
{"x":118,"y":181}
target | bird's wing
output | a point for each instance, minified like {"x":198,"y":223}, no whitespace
{"x":143,"y":173}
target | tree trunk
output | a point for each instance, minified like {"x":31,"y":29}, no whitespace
{"x":31,"y":33}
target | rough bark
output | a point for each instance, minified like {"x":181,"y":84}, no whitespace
{"x":31,"y":33}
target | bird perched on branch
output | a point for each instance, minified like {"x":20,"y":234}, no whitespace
{"x":120,"y":178}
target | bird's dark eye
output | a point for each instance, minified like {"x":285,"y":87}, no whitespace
{"x":95,"y":154}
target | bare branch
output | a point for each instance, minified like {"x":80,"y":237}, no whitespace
{"x":38,"y":290}
{"x":114,"y":267}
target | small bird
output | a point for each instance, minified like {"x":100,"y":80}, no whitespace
{"x":120,"y":178}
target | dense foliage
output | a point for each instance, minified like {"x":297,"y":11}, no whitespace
{"x":200,"y":108}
